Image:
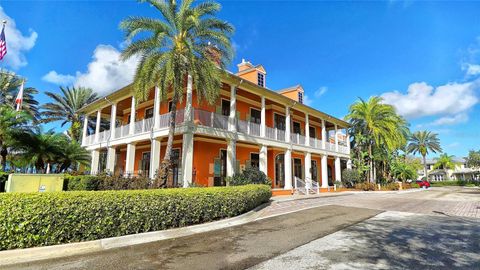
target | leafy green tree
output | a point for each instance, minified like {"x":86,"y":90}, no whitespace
{"x":65,"y":107}
{"x":12,"y":125}
{"x":9,"y":87}
{"x":444,"y":162}
{"x":473,"y":159}
{"x":379,"y":126}
{"x":424,"y":142}
{"x":183,"y":41}
{"x":403,"y":171}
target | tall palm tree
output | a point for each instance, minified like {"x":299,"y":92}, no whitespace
{"x":445,"y":162}
{"x":424,"y":142}
{"x":183,"y":41}
{"x":9,"y":87}
{"x":379,"y":124}
{"x":12,"y":125}
{"x":65,"y":108}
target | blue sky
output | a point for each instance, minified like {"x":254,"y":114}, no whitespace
{"x":423,"y":57}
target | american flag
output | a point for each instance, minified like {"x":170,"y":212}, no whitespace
{"x":3,"y":43}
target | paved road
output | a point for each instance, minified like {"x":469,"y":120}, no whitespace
{"x":439,"y":229}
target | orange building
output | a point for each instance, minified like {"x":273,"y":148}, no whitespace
{"x":249,"y":125}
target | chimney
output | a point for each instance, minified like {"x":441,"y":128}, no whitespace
{"x":244,"y":65}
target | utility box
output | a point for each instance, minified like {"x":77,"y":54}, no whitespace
{"x":34,"y":182}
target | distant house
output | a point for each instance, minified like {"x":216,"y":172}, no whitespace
{"x":460,"y":172}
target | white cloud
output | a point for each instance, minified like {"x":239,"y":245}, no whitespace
{"x":54,"y":77}
{"x":471,"y":69}
{"x":307,"y":101}
{"x":17,"y":43}
{"x":451,"y":120}
{"x":421,"y":99}
{"x":105,"y":73}
{"x":321,"y":91}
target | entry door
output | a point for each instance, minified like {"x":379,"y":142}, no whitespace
{"x":219,"y":180}
{"x":314,"y":171}
{"x":297,"y":168}
{"x":175,"y":159}
{"x":279,"y":171}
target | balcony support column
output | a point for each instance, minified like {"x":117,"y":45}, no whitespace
{"x":288,"y":169}
{"x":287,"y":124}
{"x":97,"y":125}
{"x":324,"y":172}
{"x":111,"y":154}
{"x":307,"y":130}
{"x":85,"y":128}
{"x":131,"y":130}
{"x":130,"y":160}
{"x":95,"y":161}
{"x":349,"y":164}
{"x":336,"y":138}
{"x":324,"y":134}
{"x":263,"y":126}
{"x":263,"y":159}
{"x":232,"y":126}
{"x":156,"y":108}
{"x":348,"y":142}
{"x":188,"y":106}
{"x":154,"y":157}
{"x":113,"y":119}
{"x":187,"y":159}
{"x":338,"y":169}
{"x":231,"y":157}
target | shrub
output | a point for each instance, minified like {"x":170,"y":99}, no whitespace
{"x":366,"y":186}
{"x":454,"y":183}
{"x":391,"y":186}
{"x":251,"y":175}
{"x":106,"y":182}
{"x":350,"y":177}
{"x":40,"y":219}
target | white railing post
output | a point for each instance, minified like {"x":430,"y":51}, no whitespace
{"x":143,"y":125}
{"x":276,"y":134}
{"x":212,"y":114}
{"x":248,"y":127}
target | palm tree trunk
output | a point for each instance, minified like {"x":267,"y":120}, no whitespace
{"x":425,"y":167}
{"x":166,"y":167}
{"x":370,"y":162}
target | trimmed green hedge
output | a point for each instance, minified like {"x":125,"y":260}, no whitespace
{"x":41,"y":219}
{"x":454,"y":183}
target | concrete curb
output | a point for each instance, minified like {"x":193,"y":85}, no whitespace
{"x":27,"y":255}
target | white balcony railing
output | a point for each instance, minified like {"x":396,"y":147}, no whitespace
{"x":214,"y":120}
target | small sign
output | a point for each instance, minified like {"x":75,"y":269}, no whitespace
{"x":42,"y":188}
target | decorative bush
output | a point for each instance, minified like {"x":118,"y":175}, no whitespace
{"x":454,"y":183}
{"x":251,"y":175}
{"x":106,"y":182}
{"x":366,"y":186}
{"x":350,"y":177}
{"x":391,"y":186}
{"x":41,"y":219}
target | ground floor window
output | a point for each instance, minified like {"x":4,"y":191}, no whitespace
{"x":280,"y":171}
{"x":144,"y":164}
{"x":330,"y":176}
{"x":314,"y":171}
{"x":176,"y":165}
{"x":297,"y":168}
{"x":220,"y":169}
{"x":255,"y":160}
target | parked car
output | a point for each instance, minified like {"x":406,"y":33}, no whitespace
{"x":423,"y":183}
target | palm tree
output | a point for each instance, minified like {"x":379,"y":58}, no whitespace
{"x":65,"y":108}
{"x":444,"y":162}
{"x":12,"y":125}
{"x":379,"y":125}
{"x":9,"y":87}
{"x":72,"y":155}
{"x":424,"y":142}
{"x":184,"y":41}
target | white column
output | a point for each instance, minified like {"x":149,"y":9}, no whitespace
{"x":263,"y":159}
{"x":130,"y":162}
{"x":307,"y":130}
{"x":263,"y":126}
{"x":113,"y":119}
{"x":85,"y":128}
{"x":154,"y":157}
{"x":338,"y":169}
{"x":324,"y":172}
{"x":233,"y":109}
{"x":188,"y":106}
{"x":336,"y":138}
{"x":156,"y":108}
{"x":95,"y":161}
{"x":349,"y":164}
{"x":111,"y":153}
{"x":308,"y":171}
{"x":132,"y":117}
{"x":348,"y":142}
{"x":187,"y":159}
{"x":324,"y":134}
{"x":231,"y":157}
{"x":288,"y":169}
{"x":97,"y":125}
{"x":287,"y":124}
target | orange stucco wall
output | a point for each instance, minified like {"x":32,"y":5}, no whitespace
{"x":204,"y":154}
